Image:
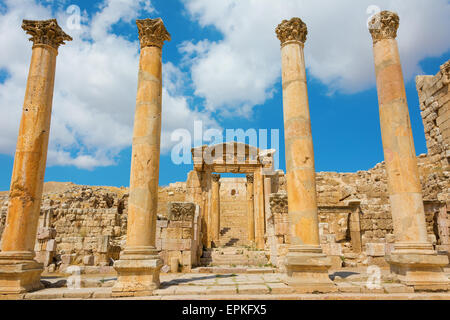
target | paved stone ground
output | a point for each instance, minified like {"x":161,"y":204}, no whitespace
{"x":351,"y":285}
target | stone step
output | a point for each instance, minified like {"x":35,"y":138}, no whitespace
{"x":233,"y":270}
{"x":233,"y":261}
{"x":233,"y":256}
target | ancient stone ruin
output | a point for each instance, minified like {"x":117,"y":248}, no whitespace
{"x":301,"y":224}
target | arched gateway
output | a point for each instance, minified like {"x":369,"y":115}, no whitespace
{"x":204,"y":186}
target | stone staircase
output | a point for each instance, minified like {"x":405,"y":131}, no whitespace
{"x":233,"y":222}
{"x":234,"y":257}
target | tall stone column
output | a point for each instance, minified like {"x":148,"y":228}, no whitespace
{"x":413,"y":258}
{"x":215,"y":211}
{"x":267,"y":193}
{"x":250,"y":210}
{"x":307,"y":266}
{"x":206,"y":224}
{"x":259,"y":209}
{"x":139,"y":264}
{"x":18,"y":271}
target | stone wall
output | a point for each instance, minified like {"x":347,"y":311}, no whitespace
{"x":89,"y":223}
{"x":178,"y":236}
{"x":354,"y":213}
{"x":434,"y":97}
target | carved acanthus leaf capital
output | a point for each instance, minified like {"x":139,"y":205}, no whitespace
{"x":279,"y":203}
{"x":46,"y":32}
{"x":181,"y":211}
{"x":292,"y":30}
{"x":250,"y":178}
{"x":384,"y":25}
{"x":152,"y":32}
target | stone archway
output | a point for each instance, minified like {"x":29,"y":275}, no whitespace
{"x":204,"y":186}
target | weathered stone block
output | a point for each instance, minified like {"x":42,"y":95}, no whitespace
{"x":88,"y":260}
{"x":175,"y":224}
{"x":51,"y":245}
{"x":162,"y":223}
{"x":186,"y":258}
{"x":176,"y":244}
{"x":376,"y":249}
{"x":67,"y":259}
{"x":174,"y":233}
{"x":46,"y":233}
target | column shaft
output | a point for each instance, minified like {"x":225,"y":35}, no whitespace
{"x":215,"y":211}
{"x":300,"y":171}
{"x":31,"y":153}
{"x":404,"y":187}
{"x":250,"y":210}
{"x":207,"y":210}
{"x":143,"y":202}
{"x":259,"y":209}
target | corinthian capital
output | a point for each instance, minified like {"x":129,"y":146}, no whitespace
{"x":46,"y":32}
{"x":384,"y":25}
{"x":250,"y":178}
{"x":152,"y":32}
{"x":292,"y":30}
{"x":216,"y":177}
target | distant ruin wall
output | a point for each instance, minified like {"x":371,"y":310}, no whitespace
{"x":354,"y":213}
{"x":90,"y":223}
{"x":434,"y":97}
{"x":354,"y":217}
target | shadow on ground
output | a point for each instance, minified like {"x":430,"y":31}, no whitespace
{"x":175,"y":282}
{"x":342,"y":274}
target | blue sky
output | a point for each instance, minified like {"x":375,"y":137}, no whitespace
{"x":214,"y":71}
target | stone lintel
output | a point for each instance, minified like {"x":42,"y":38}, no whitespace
{"x":45,"y":32}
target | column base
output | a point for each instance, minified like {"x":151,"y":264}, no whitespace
{"x":138,"y":272}
{"x":307,"y":270}
{"x":19,"y":273}
{"x":423,"y":271}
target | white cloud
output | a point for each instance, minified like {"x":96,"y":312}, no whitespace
{"x":95,"y":87}
{"x":240,"y":71}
